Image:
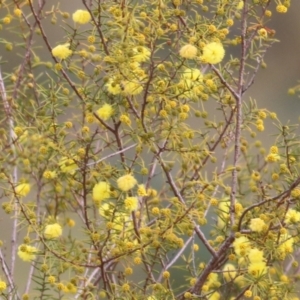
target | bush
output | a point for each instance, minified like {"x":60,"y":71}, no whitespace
{"x":130,"y":165}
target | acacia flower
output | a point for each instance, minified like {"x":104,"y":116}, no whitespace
{"x":81,"y":16}
{"x":101,"y":191}
{"x":240,"y":5}
{"x":17,"y":12}
{"x":188,"y":51}
{"x":241,"y":245}
{"x":281,"y":8}
{"x":131,"y":203}
{"x":22,"y":189}
{"x":274,"y":150}
{"x":113,"y":87}
{"x":257,"y":224}
{"x":223,"y":213}
{"x":118,"y":219}
{"x":141,"y":54}
{"x":229,"y":272}
{"x":61,"y":51}
{"x":257,"y":269}
{"x":272,"y":157}
{"x":49,"y":174}
{"x":132,"y":88}
{"x":26,"y":252}
{"x":286,"y":245}
{"x":214,"y":296}
{"x":53,"y":231}
{"x":255,"y":255}
{"x":213,"y":53}
{"x":125,"y":119}
{"x":142,"y":190}
{"x":126,"y":182}
{"x":105,"y":111}
{"x":3,"y":286}
{"x":292,"y":216}
{"x":192,"y":74}
{"x":67,"y":165}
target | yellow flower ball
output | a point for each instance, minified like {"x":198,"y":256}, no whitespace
{"x":6,"y":20}
{"x":17,"y":12}
{"x":27,"y":253}
{"x":101,"y":191}
{"x":126,"y":182}
{"x":70,"y":222}
{"x":61,"y":51}
{"x":248,"y":294}
{"x":229,"y":272}
{"x":53,"y":231}
{"x":241,"y":245}
{"x":125,"y":119}
{"x":22,"y":189}
{"x":2,"y":286}
{"x":215,"y":296}
{"x":142,"y":190}
{"x":240,"y":5}
{"x":272,"y":157}
{"x":132,"y":88}
{"x":281,"y":9}
{"x":141,"y":54}
{"x":131,"y":203}
{"x":257,"y":269}
{"x":213,"y":53}
{"x":255,"y":255}
{"x":292,"y":216}
{"x":67,"y":165}
{"x":49,"y":174}
{"x":192,"y":74}
{"x":113,"y":87}
{"x":105,"y":111}
{"x":188,"y":51}
{"x":81,"y":16}
{"x":257,"y":224}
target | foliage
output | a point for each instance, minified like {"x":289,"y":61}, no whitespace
{"x":130,"y":164}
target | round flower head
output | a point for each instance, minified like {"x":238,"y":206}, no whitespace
{"x":286,"y":245}
{"x":241,"y":245}
{"x":67,"y":165}
{"x":61,"y":51}
{"x":215,"y":296}
{"x":101,"y":191}
{"x":257,"y":269}
{"x":109,"y":213}
{"x":223,"y":213}
{"x":132,"y":88}
{"x":113,"y":87}
{"x":2,"y":286}
{"x":141,"y":54}
{"x":131,"y":203}
{"x":229,"y":272}
{"x":213,"y":53}
{"x":22,"y":189}
{"x":192,"y":74}
{"x":81,"y":16}
{"x":255,"y":255}
{"x":292,"y":216}
{"x":188,"y":51}
{"x":257,"y":224}
{"x":126,"y":182}
{"x":53,"y":231}
{"x":105,"y":112}
{"x":26,"y":252}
